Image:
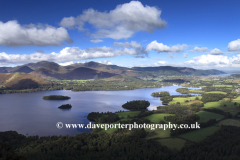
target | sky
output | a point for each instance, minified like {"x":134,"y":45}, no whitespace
{"x":202,"y":34}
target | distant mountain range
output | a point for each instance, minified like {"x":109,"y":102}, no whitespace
{"x":94,"y":70}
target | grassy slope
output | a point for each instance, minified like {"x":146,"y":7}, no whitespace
{"x":236,"y":100}
{"x":233,"y":109}
{"x":156,"y":118}
{"x":201,"y":134}
{"x":217,"y":92}
{"x":220,"y":85}
{"x":182,"y":99}
{"x":9,"y":79}
{"x":205,"y":116}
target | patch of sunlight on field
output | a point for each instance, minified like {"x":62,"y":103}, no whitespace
{"x":230,"y":107}
{"x":216,"y":92}
{"x":236,"y":99}
{"x":183,"y":99}
{"x":156,"y":118}
{"x":222,"y":85}
{"x":157,"y":133}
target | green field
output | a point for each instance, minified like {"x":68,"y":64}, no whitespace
{"x":201,"y":134}
{"x":233,"y":109}
{"x":183,"y":99}
{"x":236,"y":100}
{"x":125,"y":114}
{"x":196,"y":91}
{"x":173,"y":143}
{"x":157,"y":133}
{"x":217,"y":92}
{"x":220,"y":85}
{"x":156,"y":118}
{"x":206,"y":116}
{"x":229,"y":122}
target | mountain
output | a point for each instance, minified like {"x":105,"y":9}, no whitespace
{"x":86,"y":73}
{"x":169,"y":70}
{"x":4,"y":69}
{"x":93,"y":70}
{"x":20,"y":80}
{"x":114,"y":69}
{"x":24,"y":69}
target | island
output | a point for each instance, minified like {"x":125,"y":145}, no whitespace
{"x":56,"y":97}
{"x":65,"y":106}
{"x":160,"y":94}
{"x":136,"y":105}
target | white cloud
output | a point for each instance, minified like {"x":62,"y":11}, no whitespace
{"x":216,"y":51}
{"x":66,"y":63}
{"x":214,"y":61}
{"x":96,"y":40}
{"x":185,"y":55}
{"x":13,"y":34}
{"x":234,"y":45}
{"x":160,"y":47}
{"x":132,"y":44}
{"x":106,"y":62}
{"x":122,"y":22}
{"x":70,"y":54}
{"x":203,"y":49}
{"x":161,"y":63}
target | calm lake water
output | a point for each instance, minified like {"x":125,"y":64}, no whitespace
{"x":28,"y":113}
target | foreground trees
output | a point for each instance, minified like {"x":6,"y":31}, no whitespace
{"x":121,"y":145}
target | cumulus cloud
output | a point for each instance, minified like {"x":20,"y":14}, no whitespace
{"x":160,"y":47}
{"x":66,"y":63}
{"x":203,"y":49}
{"x":214,"y":61}
{"x":13,"y":34}
{"x":161,"y":63}
{"x":122,"y":22}
{"x":70,"y":54}
{"x":216,"y":51}
{"x":234,"y":45}
{"x":185,"y":55}
{"x":106,"y":62}
{"x":132,"y":44}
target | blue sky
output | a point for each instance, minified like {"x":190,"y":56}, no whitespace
{"x":200,"y":34}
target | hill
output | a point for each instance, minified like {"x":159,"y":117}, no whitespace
{"x":169,"y":70}
{"x":20,"y":80}
{"x":93,"y":70}
{"x":24,"y":69}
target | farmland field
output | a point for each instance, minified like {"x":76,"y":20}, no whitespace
{"x":201,"y":134}
{"x":205,"y":116}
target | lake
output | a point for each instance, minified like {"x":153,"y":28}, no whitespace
{"x":28,"y":113}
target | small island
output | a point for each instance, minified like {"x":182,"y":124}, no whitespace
{"x":56,"y":97}
{"x":160,"y":94}
{"x":65,"y":106}
{"x":136,"y":105}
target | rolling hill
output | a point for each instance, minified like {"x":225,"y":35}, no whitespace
{"x":93,"y":70}
{"x":20,"y":80}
